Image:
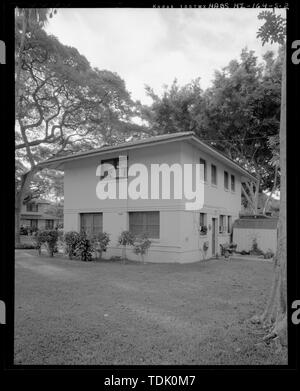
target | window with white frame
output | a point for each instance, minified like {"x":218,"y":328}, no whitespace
{"x":32,"y":207}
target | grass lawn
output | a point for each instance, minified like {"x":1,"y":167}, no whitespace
{"x":108,"y":313}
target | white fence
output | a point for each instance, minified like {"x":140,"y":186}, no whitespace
{"x":264,"y":232}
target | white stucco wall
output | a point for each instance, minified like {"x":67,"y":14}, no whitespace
{"x":179,"y":238}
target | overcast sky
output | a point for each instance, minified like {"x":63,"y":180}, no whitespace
{"x":154,"y":46}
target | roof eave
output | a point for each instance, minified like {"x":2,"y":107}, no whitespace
{"x":58,"y":163}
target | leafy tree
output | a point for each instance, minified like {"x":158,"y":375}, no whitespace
{"x":179,"y":109}
{"x":71,"y":239}
{"x":100,"y":242}
{"x":243,"y":108}
{"x":236,"y":115}
{"x":49,"y":238}
{"x":26,"y":20}
{"x":141,"y":246}
{"x":125,"y":239}
{"x":64,"y":106}
{"x":275,"y":312}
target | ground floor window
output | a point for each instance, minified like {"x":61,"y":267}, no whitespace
{"x":229,"y":224}
{"x":203,"y":223}
{"x":33,"y":223}
{"x":49,"y":224}
{"x":91,"y":223}
{"x":222,"y":226}
{"x":145,"y":223}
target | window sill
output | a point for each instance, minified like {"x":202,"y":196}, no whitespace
{"x":154,"y":241}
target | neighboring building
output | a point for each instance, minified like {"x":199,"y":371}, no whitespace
{"x":34,"y":215}
{"x":259,"y":229}
{"x":177,"y":234}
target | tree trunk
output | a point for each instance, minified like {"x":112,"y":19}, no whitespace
{"x":19,"y":65}
{"x":124,"y":253}
{"x":256,"y":194}
{"x":272,"y":191}
{"x":17,"y":226}
{"x":19,"y":198}
{"x":276,"y":309}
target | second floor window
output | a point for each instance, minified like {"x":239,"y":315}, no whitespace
{"x":232,"y":183}
{"x":31,"y":207}
{"x":226,"y":180}
{"x":115,"y":162}
{"x":213,"y":174}
{"x":203,"y":170}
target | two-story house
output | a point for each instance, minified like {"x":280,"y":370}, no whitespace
{"x":34,"y":215}
{"x":177,"y":233}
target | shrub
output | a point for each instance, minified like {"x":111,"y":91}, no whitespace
{"x":49,"y":238}
{"x":141,"y":246}
{"x":205,"y":246}
{"x":269,"y":254}
{"x":126,"y":238}
{"x":25,"y":246}
{"x":23,"y":231}
{"x":71,"y":239}
{"x":203,"y":230}
{"x":255,"y":250}
{"x":84,"y":247}
{"x":100,"y":242}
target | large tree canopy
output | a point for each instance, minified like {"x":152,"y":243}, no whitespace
{"x":180,"y":109}
{"x":64,"y":105}
{"x":243,"y":112}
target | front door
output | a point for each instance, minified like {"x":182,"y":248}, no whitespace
{"x":214,"y":236}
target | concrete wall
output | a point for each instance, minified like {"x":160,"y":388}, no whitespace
{"x":266,"y":238}
{"x":179,"y":237}
{"x":217,"y":201}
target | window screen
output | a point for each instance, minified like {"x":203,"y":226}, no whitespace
{"x":144,"y":223}
{"x":91,"y":223}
